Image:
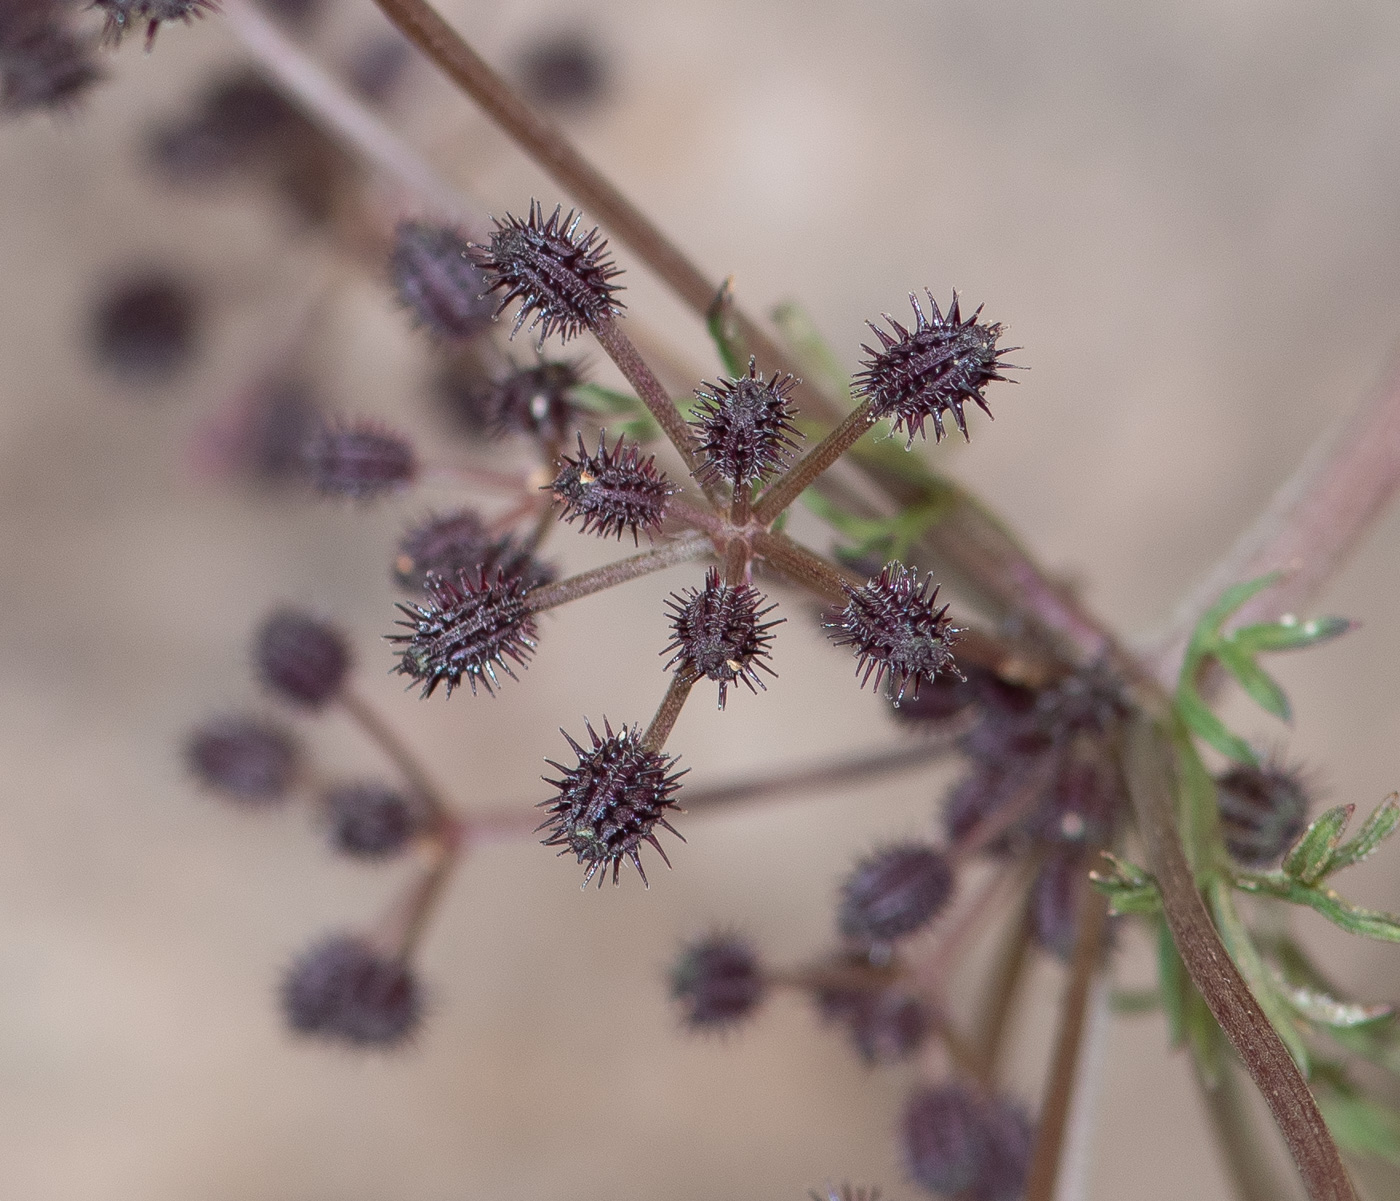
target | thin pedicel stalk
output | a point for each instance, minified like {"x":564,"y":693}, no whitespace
{"x":403,"y":927}
{"x":805,"y":471}
{"x":1219,"y":981}
{"x":683,"y":549}
{"x":379,"y":731}
{"x":671,"y":705}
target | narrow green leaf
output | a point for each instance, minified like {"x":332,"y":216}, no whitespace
{"x":1210,"y":729}
{"x":1374,"y":830}
{"x":1362,"y":1126}
{"x":1326,"y":1010}
{"x":724,"y":331}
{"x":1188,"y":1016}
{"x":1172,"y":983}
{"x":811,"y":350}
{"x":1352,"y":918}
{"x":1129,"y":888}
{"x":1308,"y":858}
{"x":603,"y":402}
{"x":1231,"y":599}
{"x":1262,"y":688}
{"x":1288,"y":633}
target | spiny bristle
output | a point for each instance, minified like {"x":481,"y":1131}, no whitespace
{"x":719,"y":633}
{"x":611,"y":801}
{"x":613,"y":490}
{"x":743,"y":427}
{"x":559,"y":274}
{"x":467,"y":629}
{"x":935,"y":368}
{"x":123,"y":15}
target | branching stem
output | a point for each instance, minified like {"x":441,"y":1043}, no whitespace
{"x":788,"y":487}
{"x":683,"y":549}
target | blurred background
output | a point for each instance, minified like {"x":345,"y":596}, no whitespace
{"x":1184,"y":212}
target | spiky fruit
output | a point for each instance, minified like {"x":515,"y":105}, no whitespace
{"x":560,"y":275}
{"x":436,"y":280}
{"x":896,"y":628}
{"x":612,"y":491}
{"x":145,"y":329}
{"x":535,"y":400}
{"x":611,"y":801}
{"x":1263,"y":810}
{"x":719,"y":633}
{"x":961,"y":1143}
{"x":894,"y":892}
{"x":122,"y":15}
{"x":247,"y":760}
{"x":743,"y":427}
{"x":717,"y":981}
{"x":936,"y":368}
{"x":452,"y":542}
{"x":469,"y":628}
{"x":302,"y":658}
{"x":345,"y":990}
{"x":369,"y":820}
{"x":885,"y":1025}
{"x":360,"y":460}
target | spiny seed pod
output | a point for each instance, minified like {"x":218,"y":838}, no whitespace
{"x":613,"y":490}
{"x":361,"y":460}
{"x":939,"y":702}
{"x":246,"y":759}
{"x":1263,"y":810}
{"x":345,"y":990}
{"x":468,"y":628}
{"x":43,"y":64}
{"x":743,"y":427}
{"x":123,"y":15}
{"x":444,"y":545}
{"x":1054,"y":901}
{"x":564,"y":70}
{"x":894,"y":892}
{"x":935,"y":369}
{"x":719,"y":633}
{"x":145,"y":327}
{"x":962,"y":1144}
{"x":611,"y":801}
{"x":535,"y":400}
{"x":717,"y":981}
{"x":562,"y":276}
{"x":894,"y":627}
{"x":886,"y":1025}
{"x":369,"y":820}
{"x":302,"y":658}
{"x":437,"y":281}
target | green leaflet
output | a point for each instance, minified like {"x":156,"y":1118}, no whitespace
{"x":1362,"y":1126}
{"x":1308,"y":859}
{"x":1129,"y":888}
{"x":1322,"y":1009}
{"x":1352,"y":918}
{"x":888,"y":538}
{"x":810,"y":349}
{"x":637,"y":423}
{"x":724,"y":331}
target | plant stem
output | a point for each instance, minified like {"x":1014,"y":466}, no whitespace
{"x":682,"y":549}
{"x":383,"y":735}
{"x":1215,"y":975}
{"x":1003,"y":987}
{"x":789,"y":486}
{"x":403,"y":927}
{"x":1247,"y":1163}
{"x":1059,"y":1086}
{"x":671,"y":705}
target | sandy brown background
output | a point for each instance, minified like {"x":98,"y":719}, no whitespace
{"x":1186,"y":213}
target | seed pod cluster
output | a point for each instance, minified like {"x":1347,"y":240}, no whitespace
{"x":611,"y":801}
{"x":894,"y":892}
{"x":369,"y":820}
{"x":719,"y":632}
{"x":1263,"y":810}
{"x":469,"y":628}
{"x":612,"y":491}
{"x":962,"y":1143}
{"x":250,"y":761}
{"x":301,"y":658}
{"x":743,"y":427}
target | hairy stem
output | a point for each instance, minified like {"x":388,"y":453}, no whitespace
{"x":1259,"y":1047}
{"x":1247,"y":1162}
{"x":682,"y":549}
{"x":788,"y":487}
{"x":671,"y":705}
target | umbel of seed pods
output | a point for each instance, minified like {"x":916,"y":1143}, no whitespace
{"x":476,"y":622}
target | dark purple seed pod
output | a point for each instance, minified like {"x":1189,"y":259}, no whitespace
{"x":370,"y":820}
{"x":719,"y":632}
{"x":246,"y":759}
{"x":124,"y":15}
{"x":535,"y":400}
{"x":565,"y":71}
{"x":935,"y":369}
{"x":1054,"y":901}
{"x":561,"y":276}
{"x":613,"y":490}
{"x":894,"y":892}
{"x":896,"y":628}
{"x":361,"y":460}
{"x":43,"y":64}
{"x":345,"y":990}
{"x":743,"y":427}
{"x":611,"y":801}
{"x":467,"y":629}
{"x":302,"y":658}
{"x":988,"y":788}
{"x":453,"y":542}
{"x":1263,"y":811}
{"x":239,"y":124}
{"x":886,"y":1025}
{"x":144,"y":329}
{"x":437,"y":281}
{"x":960,"y":1143}
{"x":717,"y":981}
{"x":1010,"y":725}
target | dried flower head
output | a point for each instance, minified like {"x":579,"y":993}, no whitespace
{"x":894,"y":892}
{"x":145,"y":327}
{"x":562,"y":276}
{"x":963,"y":1144}
{"x":895,"y":628}
{"x":1263,"y":810}
{"x":122,"y":15}
{"x":611,"y":801}
{"x":614,"y":490}
{"x":719,"y":632}
{"x":302,"y":658}
{"x":459,"y":541}
{"x":248,"y":760}
{"x":469,"y":627}
{"x":370,"y":820}
{"x":361,"y":460}
{"x":437,"y":281}
{"x":718,"y":981}
{"x":743,"y":427}
{"x":936,"y":368}
{"x":43,"y":64}
{"x":345,"y":990}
